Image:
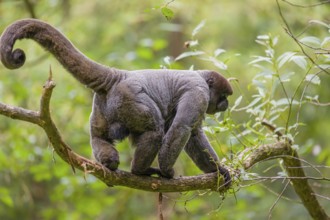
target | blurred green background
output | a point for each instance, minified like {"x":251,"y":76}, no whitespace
{"x":36,"y":184}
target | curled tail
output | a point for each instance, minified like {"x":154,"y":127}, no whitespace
{"x":94,"y":75}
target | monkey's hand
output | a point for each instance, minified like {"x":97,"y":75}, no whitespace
{"x":226,"y":175}
{"x":108,"y":157}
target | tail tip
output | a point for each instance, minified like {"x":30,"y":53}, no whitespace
{"x":14,"y":59}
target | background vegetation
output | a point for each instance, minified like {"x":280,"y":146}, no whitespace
{"x":273,"y":80}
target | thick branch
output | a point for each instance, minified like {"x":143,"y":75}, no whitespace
{"x":302,"y":188}
{"x":121,"y":178}
{"x":294,"y":169}
{"x":251,"y":156}
{"x":213,"y":181}
{"x":20,"y":113}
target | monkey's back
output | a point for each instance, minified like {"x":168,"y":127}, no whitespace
{"x":166,"y":87}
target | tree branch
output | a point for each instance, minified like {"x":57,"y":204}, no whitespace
{"x":302,"y":188}
{"x":297,"y":176}
{"x":20,"y":113}
{"x":293,"y":168}
{"x":43,"y":118}
{"x":30,"y":7}
{"x":211,"y":181}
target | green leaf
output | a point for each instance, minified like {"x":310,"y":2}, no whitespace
{"x":198,"y":28}
{"x":284,"y":101}
{"x":159,"y":44}
{"x":221,"y":65}
{"x":315,"y":79}
{"x":168,"y":13}
{"x":263,"y":43}
{"x":167,"y":60}
{"x":260,"y":59}
{"x":237,"y":102}
{"x":263,"y":37}
{"x":324,"y":66}
{"x":286,"y":77}
{"x":284,"y":58}
{"x":272,"y":119}
{"x":218,"y":51}
{"x":7,"y":200}
{"x":189,"y":54}
{"x":300,"y":61}
{"x":254,"y":102}
{"x":314,"y":98}
{"x":144,"y":53}
{"x":320,"y":23}
{"x":311,"y":40}
{"x":5,"y":197}
{"x":325,"y":42}
{"x":261,"y":91}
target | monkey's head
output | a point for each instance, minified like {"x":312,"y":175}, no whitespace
{"x":220,"y":89}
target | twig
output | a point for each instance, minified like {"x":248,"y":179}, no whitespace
{"x":272,"y":128}
{"x":160,"y":204}
{"x":322,"y":196}
{"x":30,"y":8}
{"x":277,"y":199}
{"x":290,"y":33}
{"x":307,"y":6}
{"x":319,"y":103}
{"x":20,"y":114}
{"x":169,"y":2}
{"x":290,"y":178}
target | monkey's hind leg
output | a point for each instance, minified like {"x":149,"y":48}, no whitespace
{"x":147,"y":146}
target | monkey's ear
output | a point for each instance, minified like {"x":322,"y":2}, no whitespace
{"x":210,"y":81}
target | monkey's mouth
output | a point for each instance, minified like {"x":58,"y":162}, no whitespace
{"x":218,"y":108}
{"x":222,"y":106}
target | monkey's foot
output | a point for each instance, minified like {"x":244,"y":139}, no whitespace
{"x":148,"y":172}
{"x":167,"y":173}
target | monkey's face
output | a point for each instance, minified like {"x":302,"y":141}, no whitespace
{"x":220,"y":89}
{"x":217,"y":103}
